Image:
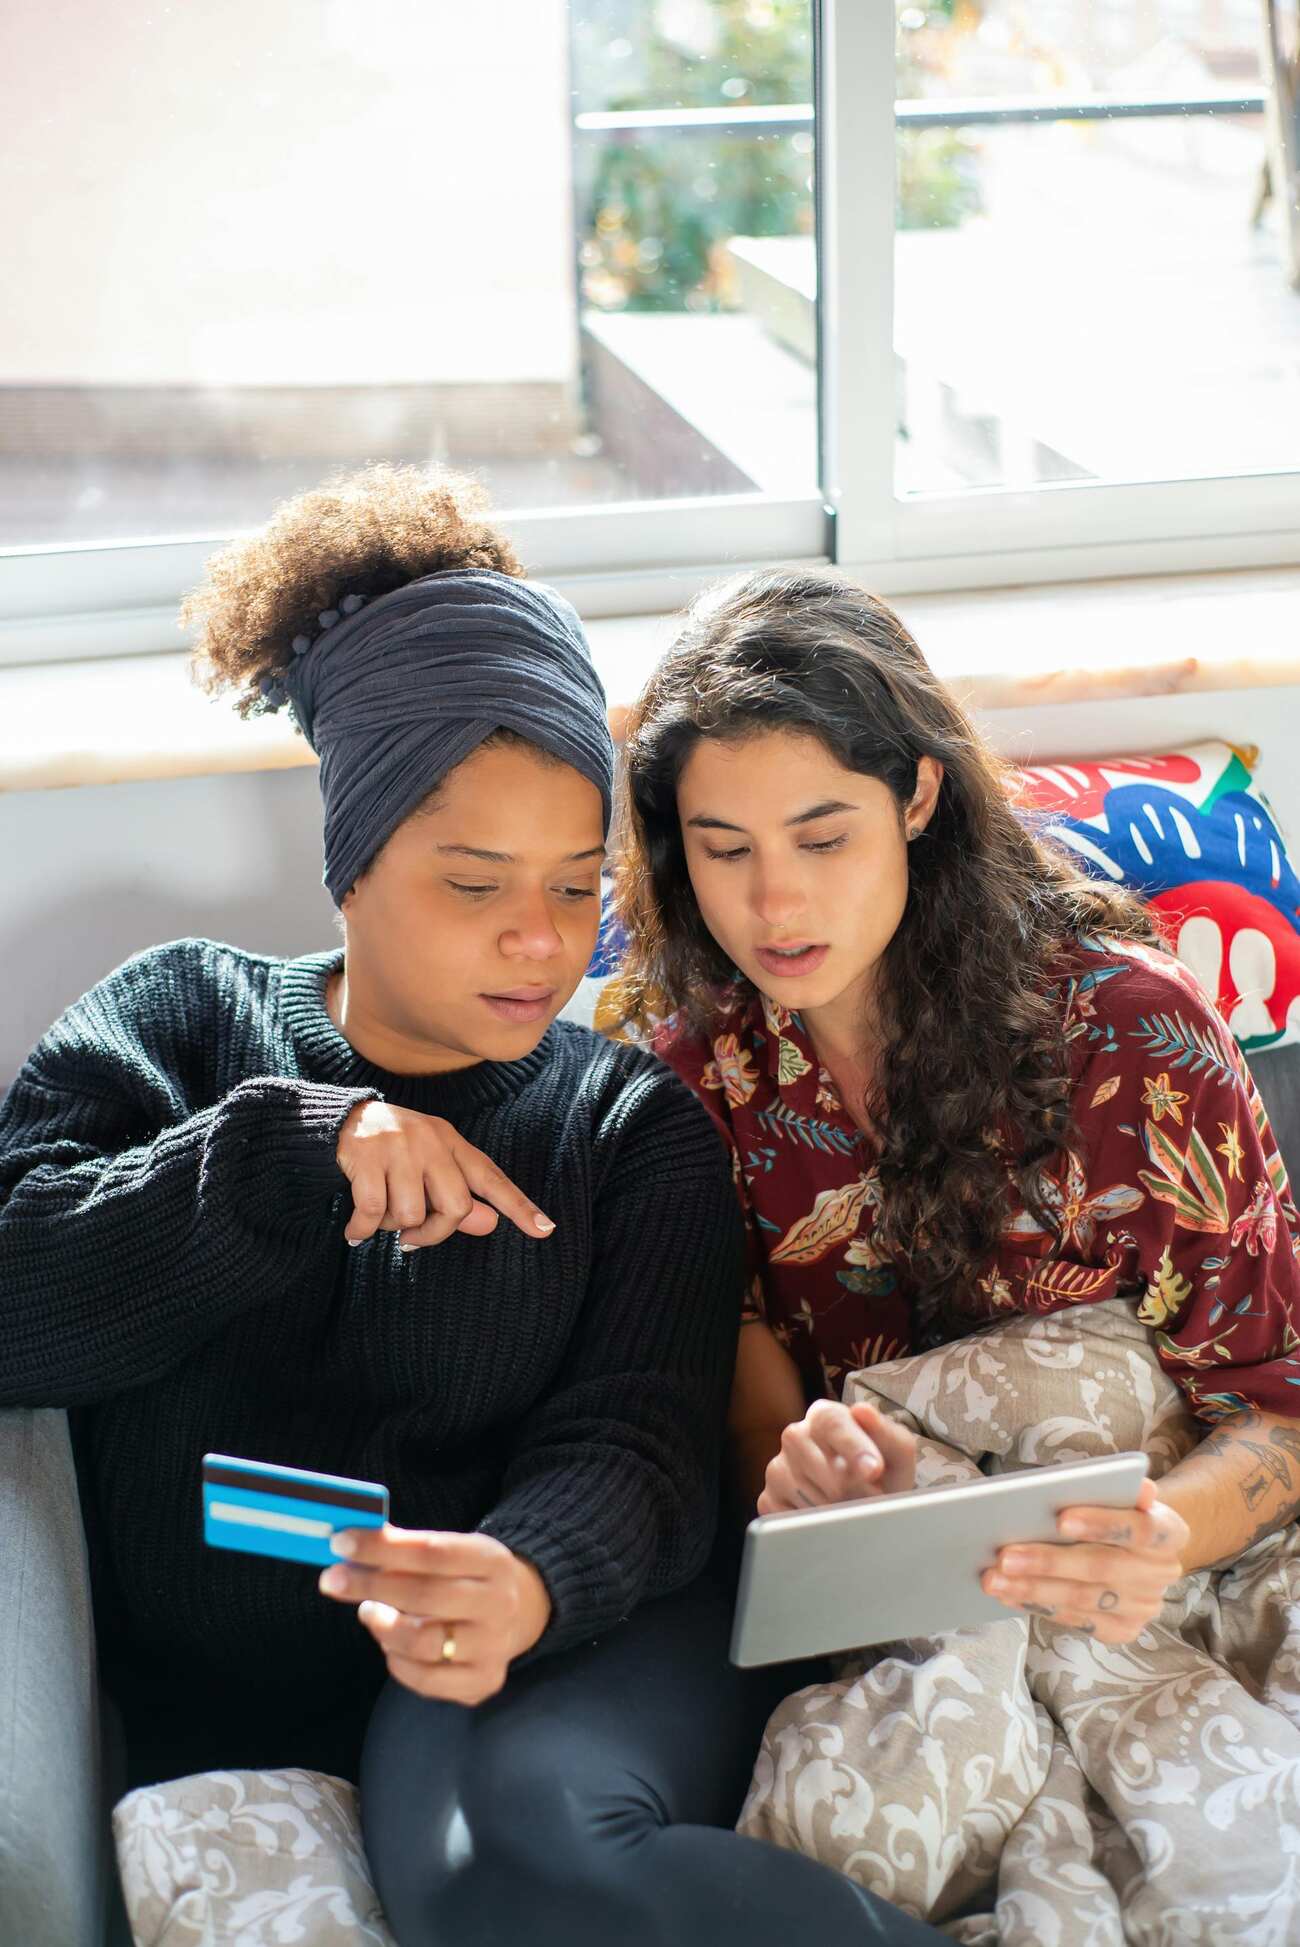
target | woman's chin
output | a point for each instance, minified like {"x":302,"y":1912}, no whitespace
{"x":825,"y":988}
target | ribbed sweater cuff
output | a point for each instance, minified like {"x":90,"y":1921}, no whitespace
{"x":281,"y":1138}
{"x":595,"y":1571}
{"x":578,"y":1582}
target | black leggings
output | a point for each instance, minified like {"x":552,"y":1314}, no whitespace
{"x":592,"y":1801}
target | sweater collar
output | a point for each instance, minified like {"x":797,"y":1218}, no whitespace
{"x":327,"y":1056}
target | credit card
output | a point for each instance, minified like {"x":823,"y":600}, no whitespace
{"x":260,"y":1509}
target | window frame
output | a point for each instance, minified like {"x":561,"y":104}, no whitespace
{"x":60,"y":603}
{"x":986,"y":536}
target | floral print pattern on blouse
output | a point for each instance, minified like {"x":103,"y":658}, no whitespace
{"x":1175,"y":1192}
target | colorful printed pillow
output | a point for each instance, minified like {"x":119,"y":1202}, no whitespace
{"x":1192,"y":832}
{"x":585,"y":1006}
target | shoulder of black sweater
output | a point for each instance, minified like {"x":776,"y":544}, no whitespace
{"x":157,"y":1014}
{"x":636,"y":1103}
{"x":162,"y":983}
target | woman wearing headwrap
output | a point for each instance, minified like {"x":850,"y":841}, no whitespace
{"x":376,"y":1212}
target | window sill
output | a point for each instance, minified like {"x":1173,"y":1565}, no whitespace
{"x":114,"y":719}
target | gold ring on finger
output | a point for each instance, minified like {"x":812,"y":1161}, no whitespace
{"x":448,"y":1645}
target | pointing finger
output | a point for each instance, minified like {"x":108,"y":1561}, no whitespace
{"x":492,"y":1185}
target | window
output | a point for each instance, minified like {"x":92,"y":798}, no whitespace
{"x":1072,"y":344}
{"x":1007,"y":283}
{"x":249,"y":246}
{"x":1086,"y":287}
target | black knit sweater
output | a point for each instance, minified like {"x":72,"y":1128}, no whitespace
{"x":172,"y":1266}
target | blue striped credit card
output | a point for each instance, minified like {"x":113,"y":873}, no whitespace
{"x":260,"y":1509}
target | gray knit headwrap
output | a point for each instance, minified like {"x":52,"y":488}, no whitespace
{"x":395,"y":695}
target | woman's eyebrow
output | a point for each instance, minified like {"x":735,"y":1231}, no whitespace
{"x":707,"y":823}
{"x":508,"y":858}
{"x":823,"y":810}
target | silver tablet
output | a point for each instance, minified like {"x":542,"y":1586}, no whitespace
{"x":860,"y":1572}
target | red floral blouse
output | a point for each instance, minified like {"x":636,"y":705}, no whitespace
{"x":1178,"y":1195}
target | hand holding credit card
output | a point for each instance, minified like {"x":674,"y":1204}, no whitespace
{"x":450,"y":1611}
{"x":287,"y":1512}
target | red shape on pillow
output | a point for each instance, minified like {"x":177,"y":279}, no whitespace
{"x":1235,"y":910}
{"x":1080,"y":789}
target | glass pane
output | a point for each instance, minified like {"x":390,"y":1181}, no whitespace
{"x":249,"y":245}
{"x":1089,"y":299}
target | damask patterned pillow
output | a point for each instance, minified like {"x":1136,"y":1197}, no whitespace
{"x":1192,"y":832}
{"x":258,"y":1858}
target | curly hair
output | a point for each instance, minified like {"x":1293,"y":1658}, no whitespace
{"x":362,"y":534}
{"x":970,"y":987}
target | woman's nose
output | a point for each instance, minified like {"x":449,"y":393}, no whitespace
{"x":533,"y":934}
{"x":777,"y":898}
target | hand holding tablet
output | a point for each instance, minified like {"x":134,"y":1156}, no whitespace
{"x":838,"y":1453}
{"x":877,"y":1570}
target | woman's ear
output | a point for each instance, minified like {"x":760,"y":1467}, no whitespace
{"x":929,"y":777}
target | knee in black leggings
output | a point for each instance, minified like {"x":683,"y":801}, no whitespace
{"x":520,"y":1856}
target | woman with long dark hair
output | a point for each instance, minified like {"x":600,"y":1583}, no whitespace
{"x":931,"y":1045}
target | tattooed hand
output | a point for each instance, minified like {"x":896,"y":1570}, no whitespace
{"x":1108,"y":1575}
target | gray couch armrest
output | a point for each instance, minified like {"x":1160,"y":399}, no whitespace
{"x":54,"y":1838}
{"x":1277,"y":1076}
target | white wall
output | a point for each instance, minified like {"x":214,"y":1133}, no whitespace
{"x":285,"y":193}
{"x":88,"y":876}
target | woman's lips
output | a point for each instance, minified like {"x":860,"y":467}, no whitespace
{"x":787,"y":965}
{"x":520,"y":1008}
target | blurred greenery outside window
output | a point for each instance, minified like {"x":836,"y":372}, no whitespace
{"x":656,"y":209}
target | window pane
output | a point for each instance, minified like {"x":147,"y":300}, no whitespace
{"x":248,"y":245}
{"x":1088,"y":299}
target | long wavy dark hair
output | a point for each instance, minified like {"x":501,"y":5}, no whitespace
{"x":970,"y":990}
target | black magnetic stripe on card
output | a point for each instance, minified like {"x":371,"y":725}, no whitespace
{"x":335,"y":1497}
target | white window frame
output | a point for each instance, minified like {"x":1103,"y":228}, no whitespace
{"x":65,"y":602}
{"x":639,"y":557}
{"x":987,"y":536}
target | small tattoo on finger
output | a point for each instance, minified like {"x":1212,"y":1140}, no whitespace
{"x":1108,"y":1599}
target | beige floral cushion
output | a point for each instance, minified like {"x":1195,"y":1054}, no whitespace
{"x":248,"y":1858}
{"x":1033,"y":1390}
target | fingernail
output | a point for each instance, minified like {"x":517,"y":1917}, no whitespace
{"x":334,"y":1581}
{"x":868,"y":1463}
{"x":406,"y":1249}
{"x":995,"y":1584}
{"x":542,"y":1223}
{"x":1074,"y":1529}
{"x":342,"y":1545}
{"x":354,"y":1241}
{"x":1011,"y":1563}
